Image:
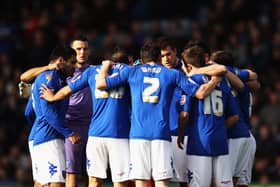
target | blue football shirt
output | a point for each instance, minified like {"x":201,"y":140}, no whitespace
{"x":50,"y":116}
{"x":110,"y":108}
{"x":208,"y":132}
{"x":152,"y":87}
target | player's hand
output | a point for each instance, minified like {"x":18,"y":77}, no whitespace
{"x":107,"y":63}
{"x":46,"y":93}
{"x":216,"y":78}
{"x":74,"y":138}
{"x":24,"y":89}
{"x":180,"y":141}
{"x":54,"y":65}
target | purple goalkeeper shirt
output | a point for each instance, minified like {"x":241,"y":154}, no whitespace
{"x":80,"y":104}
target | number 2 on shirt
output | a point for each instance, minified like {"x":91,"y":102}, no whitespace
{"x":148,"y":93}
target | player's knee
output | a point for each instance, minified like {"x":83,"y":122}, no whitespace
{"x":95,"y":182}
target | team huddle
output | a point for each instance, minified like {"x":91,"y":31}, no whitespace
{"x":182,"y":118}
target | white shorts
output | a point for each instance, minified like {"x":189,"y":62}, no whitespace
{"x":102,"y":151}
{"x":31,"y":151}
{"x":246,"y":179}
{"x":50,"y":161}
{"x":201,"y":169}
{"x":239,"y":154}
{"x":150,"y":158}
{"x":180,"y":163}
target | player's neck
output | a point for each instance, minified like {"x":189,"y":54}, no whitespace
{"x":80,"y":64}
{"x":151,"y":63}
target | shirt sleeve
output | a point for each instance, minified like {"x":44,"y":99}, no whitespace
{"x":81,"y":82}
{"x":188,"y":85}
{"x":118,"y":78}
{"x":242,"y":74}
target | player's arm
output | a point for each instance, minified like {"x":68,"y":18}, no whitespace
{"x":101,"y":83}
{"x":80,"y":83}
{"x":231,"y":120}
{"x":108,"y":82}
{"x":254,"y":85}
{"x":100,"y":78}
{"x":29,"y":75}
{"x":235,"y":82}
{"x":212,"y":70}
{"x":32,"y":73}
{"x":252,"y":75}
{"x":205,"y":89}
{"x":48,"y":94}
{"x":182,"y":121}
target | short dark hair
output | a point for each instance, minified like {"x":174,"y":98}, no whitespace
{"x":119,"y":54}
{"x":150,"y":51}
{"x":63,"y":51}
{"x":223,"y":58}
{"x":164,"y":42}
{"x":194,"y":55}
{"x":78,"y":37}
{"x":199,"y":43}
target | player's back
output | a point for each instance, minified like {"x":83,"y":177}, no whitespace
{"x":152,"y":87}
{"x":110,"y":108}
{"x":112,"y":104}
{"x":208,"y":133}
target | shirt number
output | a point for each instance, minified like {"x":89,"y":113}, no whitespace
{"x":214,"y":103}
{"x":148,"y":92}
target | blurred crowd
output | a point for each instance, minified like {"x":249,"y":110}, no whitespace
{"x":249,"y":29}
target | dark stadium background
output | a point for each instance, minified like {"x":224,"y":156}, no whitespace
{"x":29,"y":29}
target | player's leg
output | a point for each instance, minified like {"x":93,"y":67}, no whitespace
{"x":199,"y":171}
{"x":76,"y":156}
{"x":162,"y":183}
{"x":34,"y":173}
{"x":118,"y":151}
{"x":249,"y":151}
{"x":71,"y":180}
{"x":51,"y":167}
{"x":94,"y":182}
{"x":234,"y":152}
{"x":140,"y":162}
{"x":97,"y":161}
{"x":142,"y":183}
{"x":180,"y":163}
{"x":57,"y":184}
{"x":242,"y":154}
{"x":161,"y":155}
{"x":222,"y":171}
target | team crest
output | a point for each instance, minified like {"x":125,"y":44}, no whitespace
{"x":205,"y":79}
{"x":49,"y":77}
